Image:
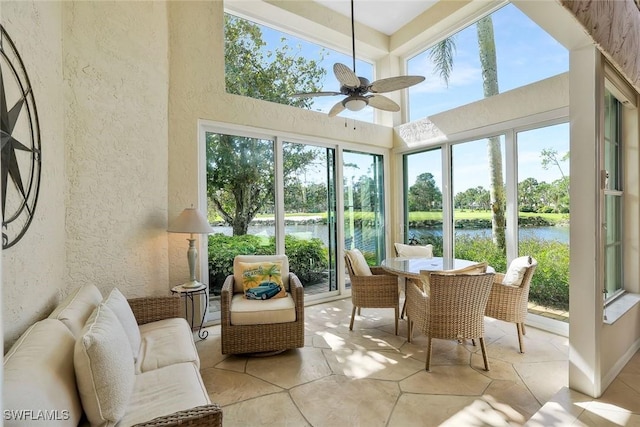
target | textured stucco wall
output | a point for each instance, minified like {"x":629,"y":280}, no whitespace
{"x":116,"y":86}
{"x":614,"y":25}
{"x":33,"y":276}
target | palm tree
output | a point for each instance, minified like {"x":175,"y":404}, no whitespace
{"x":442,"y":57}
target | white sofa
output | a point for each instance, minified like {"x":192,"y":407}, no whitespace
{"x":107,"y":362}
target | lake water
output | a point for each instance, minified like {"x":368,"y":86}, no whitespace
{"x":559,"y":234}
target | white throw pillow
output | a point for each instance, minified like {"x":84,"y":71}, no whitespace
{"x":104,"y":370}
{"x":76,"y":308}
{"x":359,"y":264}
{"x":121,"y":308}
{"x":414,"y":251}
{"x":515,"y":273}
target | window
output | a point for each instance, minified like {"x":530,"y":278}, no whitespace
{"x":310,"y":214}
{"x":270,"y":194}
{"x":521,"y":46}
{"x":264,"y":63}
{"x":479,"y":201}
{"x":543,"y":213}
{"x":364,"y":204}
{"x":423,"y":199}
{"x":612,"y":177}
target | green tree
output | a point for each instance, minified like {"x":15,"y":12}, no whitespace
{"x":424,"y":195}
{"x":549,"y":157}
{"x":271,"y":75}
{"x":240,"y":170}
{"x":442,"y":56}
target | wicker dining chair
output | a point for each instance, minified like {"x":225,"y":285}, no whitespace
{"x":454,"y":308}
{"x":509,"y":297}
{"x":379,"y":289}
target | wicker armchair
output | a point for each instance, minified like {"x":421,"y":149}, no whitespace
{"x":262,"y":337}
{"x":380,"y":290}
{"x":508,"y":302}
{"x":454,"y":308}
{"x":151,"y":309}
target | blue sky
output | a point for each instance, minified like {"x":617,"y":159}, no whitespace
{"x":525,"y":54}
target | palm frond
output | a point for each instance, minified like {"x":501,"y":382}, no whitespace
{"x":441,"y":55}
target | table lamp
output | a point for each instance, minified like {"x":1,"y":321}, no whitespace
{"x":193,"y":222}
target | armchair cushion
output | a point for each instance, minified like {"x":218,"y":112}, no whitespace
{"x":358,"y":263}
{"x":104,"y":372}
{"x":238,"y":280}
{"x":120,"y":307}
{"x":516,"y":270}
{"x":262,"y":280}
{"x":251,"y":312}
{"x":414,"y":251}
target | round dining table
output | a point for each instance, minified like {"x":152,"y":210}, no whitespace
{"x":411,"y":267}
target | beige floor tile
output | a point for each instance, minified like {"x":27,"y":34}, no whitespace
{"x":603,"y":417}
{"x":227,"y":387}
{"x":272,"y":410}
{"x":453,"y":380}
{"x":536,"y":350}
{"x":620,"y":395}
{"x":544,"y":379}
{"x":417,"y":410}
{"x":341,"y":401}
{"x":383,"y":364}
{"x":291,"y":368}
{"x":513,"y":399}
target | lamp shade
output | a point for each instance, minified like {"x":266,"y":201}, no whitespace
{"x":190,"y":221}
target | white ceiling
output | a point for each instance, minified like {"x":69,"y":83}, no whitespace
{"x":386,"y":16}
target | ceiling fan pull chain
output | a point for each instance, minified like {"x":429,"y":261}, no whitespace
{"x":353,"y":38}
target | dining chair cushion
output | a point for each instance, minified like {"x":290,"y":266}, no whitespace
{"x":414,"y":251}
{"x":359,"y":264}
{"x":262,"y":280}
{"x":516,"y":270}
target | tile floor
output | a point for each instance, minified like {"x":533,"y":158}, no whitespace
{"x":371,"y":377}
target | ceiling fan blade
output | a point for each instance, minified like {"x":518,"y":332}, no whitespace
{"x":312,"y":94}
{"x":345,"y":75}
{"x":336,"y":109}
{"x":383,"y":103}
{"x":394,"y":83}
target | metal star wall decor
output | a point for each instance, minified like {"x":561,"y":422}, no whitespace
{"x":20,"y":136}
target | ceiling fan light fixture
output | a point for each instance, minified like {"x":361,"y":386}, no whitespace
{"x":355,"y":103}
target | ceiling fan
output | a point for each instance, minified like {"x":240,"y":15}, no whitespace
{"x":359,"y":91}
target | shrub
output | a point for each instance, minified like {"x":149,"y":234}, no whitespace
{"x":550,"y":282}
{"x":307,"y":258}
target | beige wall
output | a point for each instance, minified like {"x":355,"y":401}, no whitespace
{"x":100,"y":78}
{"x":34,"y":275}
